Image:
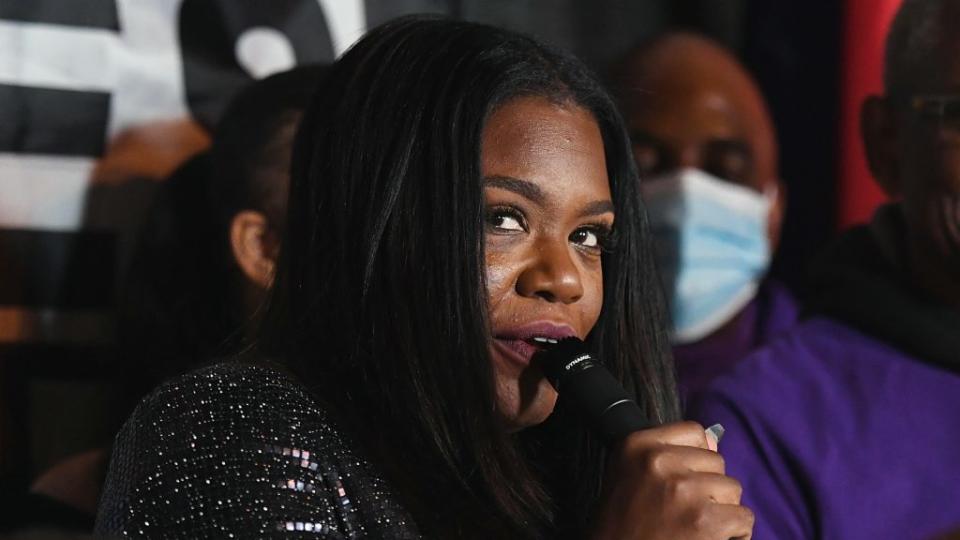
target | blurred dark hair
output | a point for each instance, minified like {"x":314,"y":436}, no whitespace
{"x":380,"y":302}
{"x":252,"y":144}
{"x":181,"y":301}
{"x":171,"y":309}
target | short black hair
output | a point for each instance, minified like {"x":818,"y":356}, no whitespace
{"x":913,"y":54}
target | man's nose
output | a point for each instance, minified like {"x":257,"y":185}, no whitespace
{"x":553,"y":274}
{"x":685,"y":156}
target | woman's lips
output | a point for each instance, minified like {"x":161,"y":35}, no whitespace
{"x":518,"y":344}
{"x":517,"y":350}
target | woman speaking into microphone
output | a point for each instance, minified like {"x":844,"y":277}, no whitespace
{"x":460,"y":195}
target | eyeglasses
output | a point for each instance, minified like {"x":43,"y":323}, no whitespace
{"x":945,"y":109}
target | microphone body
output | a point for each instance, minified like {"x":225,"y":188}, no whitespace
{"x":580,"y":377}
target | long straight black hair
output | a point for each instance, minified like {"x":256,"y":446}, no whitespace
{"x":380,"y":302}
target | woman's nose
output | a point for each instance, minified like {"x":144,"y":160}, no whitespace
{"x":552,"y":275}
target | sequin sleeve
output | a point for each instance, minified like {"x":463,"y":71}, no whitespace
{"x":241,"y":451}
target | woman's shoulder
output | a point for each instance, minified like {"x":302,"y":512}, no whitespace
{"x":240,"y":372}
{"x":260,"y":396}
{"x":238,"y":448}
{"x":228,"y":385}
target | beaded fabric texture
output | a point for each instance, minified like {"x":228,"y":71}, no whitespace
{"x":242,"y":451}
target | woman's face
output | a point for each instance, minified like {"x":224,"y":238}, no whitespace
{"x":548,"y":213}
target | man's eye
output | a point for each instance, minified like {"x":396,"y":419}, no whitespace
{"x":730,"y":160}
{"x":506,"y":221}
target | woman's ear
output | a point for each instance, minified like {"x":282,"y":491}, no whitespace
{"x":248,"y":237}
{"x":879,"y":130}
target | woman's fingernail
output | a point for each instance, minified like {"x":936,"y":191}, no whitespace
{"x":715,"y":431}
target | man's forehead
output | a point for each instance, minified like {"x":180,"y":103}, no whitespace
{"x":686,"y":75}
{"x":702,"y":113}
{"x":689,"y":73}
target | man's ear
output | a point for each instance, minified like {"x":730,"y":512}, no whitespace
{"x":778,"y":208}
{"x":248,"y":232}
{"x":880,"y":132}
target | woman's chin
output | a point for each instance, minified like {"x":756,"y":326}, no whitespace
{"x":525,"y":405}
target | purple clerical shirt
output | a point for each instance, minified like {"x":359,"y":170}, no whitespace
{"x":837,"y":435}
{"x":773,"y":311}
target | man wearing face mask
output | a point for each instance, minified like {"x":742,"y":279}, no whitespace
{"x":706,"y":152}
{"x":849,"y":425}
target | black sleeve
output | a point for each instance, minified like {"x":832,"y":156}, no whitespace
{"x":232,"y":451}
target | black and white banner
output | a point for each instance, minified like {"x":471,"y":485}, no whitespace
{"x":99,"y":94}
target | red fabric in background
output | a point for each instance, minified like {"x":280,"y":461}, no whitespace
{"x":864,"y":29}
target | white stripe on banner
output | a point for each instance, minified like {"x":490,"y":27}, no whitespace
{"x":46,"y":56}
{"x":140,"y":67}
{"x":141,"y":70}
{"x":43,"y":192}
{"x":57,"y":327}
{"x":346,"y":22}
{"x":149,"y":70}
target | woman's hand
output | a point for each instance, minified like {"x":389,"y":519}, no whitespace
{"x":668,"y":482}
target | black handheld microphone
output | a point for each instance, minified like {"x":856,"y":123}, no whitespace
{"x":581,"y":378}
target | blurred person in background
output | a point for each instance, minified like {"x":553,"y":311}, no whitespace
{"x":848,"y":426}
{"x":201,"y":268}
{"x":206,"y":256}
{"x":706,"y":151}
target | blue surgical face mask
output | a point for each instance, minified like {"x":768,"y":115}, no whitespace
{"x":712,"y":247}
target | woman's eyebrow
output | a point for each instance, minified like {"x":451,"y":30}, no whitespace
{"x":597,"y":208}
{"x":524,"y":188}
{"x":531,"y":191}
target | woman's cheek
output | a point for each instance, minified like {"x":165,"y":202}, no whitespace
{"x":592,"y":303}
{"x":498,"y":275}
{"x":597,"y":306}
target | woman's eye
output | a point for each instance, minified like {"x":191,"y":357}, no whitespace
{"x":506,"y":221}
{"x":586,"y":238}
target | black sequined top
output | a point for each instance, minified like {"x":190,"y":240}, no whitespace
{"x":242,"y":451}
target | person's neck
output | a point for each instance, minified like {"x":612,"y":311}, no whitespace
{"x":731,"y":331}
{"x":931,"y":272}
{"x":936,"y":276}
{"x":252,"y":302}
